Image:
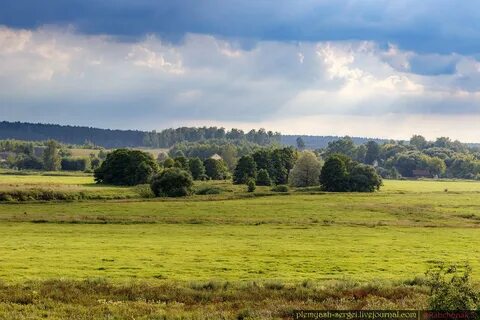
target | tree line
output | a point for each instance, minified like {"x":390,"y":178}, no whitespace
{"x":276,"y":167}
{"x":418,"y":157}
{"x":442,"y":158}
{"x":108,"y":138}
{"x":169,"y":137}
{"x":46,"y":155}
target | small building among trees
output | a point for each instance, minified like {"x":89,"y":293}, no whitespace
{"x":216,"y":156}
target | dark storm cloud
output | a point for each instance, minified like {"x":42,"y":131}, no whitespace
{"x":441,"y":26}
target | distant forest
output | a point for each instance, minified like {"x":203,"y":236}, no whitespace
{"x":71,"y":134}
{"x":319,"y":142}
{"x":167,"y":138}
{"x":129,"y":138}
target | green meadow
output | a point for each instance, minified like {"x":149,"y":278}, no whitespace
{"x":275,"y":240}
{"x":392,"y":234}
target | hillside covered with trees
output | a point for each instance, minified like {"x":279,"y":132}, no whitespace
{"x":108,"y":138}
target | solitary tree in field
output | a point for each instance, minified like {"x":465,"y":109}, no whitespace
{"x":51,"y":158}
{"x":306,"y":170}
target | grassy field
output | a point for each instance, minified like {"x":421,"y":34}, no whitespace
{"x":390,"y":237}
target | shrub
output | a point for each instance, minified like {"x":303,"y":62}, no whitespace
{"x":208,"y":190}
{"x":144,"y":191}
{"x":263,"y":178}
{"x":451,"y":288}
{"x":172,"y":182}
{"x":251,"y":186}
{"x":280,"y":188}
{"x":126,"y":167}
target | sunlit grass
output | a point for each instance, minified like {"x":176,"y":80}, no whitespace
{"x":392,"y":234}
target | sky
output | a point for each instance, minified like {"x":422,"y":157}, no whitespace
{"x":387,"y":69}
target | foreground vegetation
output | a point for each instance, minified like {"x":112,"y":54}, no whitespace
{"x":99,"y":299}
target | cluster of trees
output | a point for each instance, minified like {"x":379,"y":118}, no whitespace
{"x":304,"y":169}
{"x":174,"y":177}
{"x":230,"y":151}
{"x":339,"y":173}
{"x":417,"y":157}
{"x":49,"y":155}
{"x":208,"y":169}
{"x":266,"y":166}
{"x":169,"y":137}
{"x":132,"y":167}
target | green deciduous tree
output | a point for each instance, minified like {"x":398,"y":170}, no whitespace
{"x":251,"y":186}
{"x":51,"y":157}
{"x":126,"y":167}
{"x":215,"y":169}
{"x":181,"y":162}
{"x":246,"y":168}
{"x":333,"y":176}
{"x":168,"y":163}
{"x":373,"y":152}
{"x":341,"y":174}
{"x":418,"y":142}
{"x":364,"y":178}
{"x":197,"y":169}
{"x":263,"y":178}
{"x":343,"y":146}
{"x":306,"y":170}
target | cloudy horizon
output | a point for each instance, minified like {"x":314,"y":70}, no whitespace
{"x":386,"y":69}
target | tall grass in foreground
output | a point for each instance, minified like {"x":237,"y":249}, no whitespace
{"x":99,"y":299}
